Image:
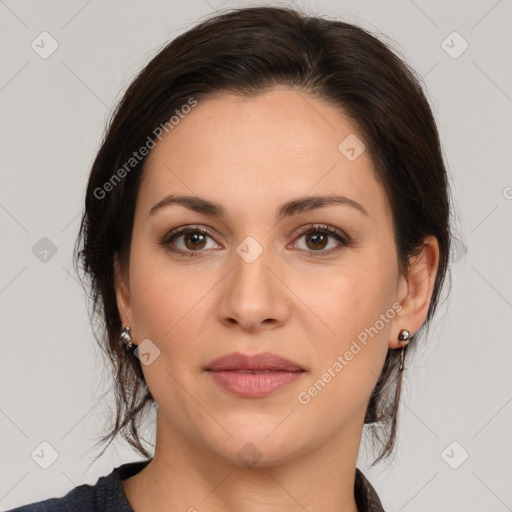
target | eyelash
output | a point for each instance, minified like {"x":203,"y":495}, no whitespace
{"x":344,"y":240}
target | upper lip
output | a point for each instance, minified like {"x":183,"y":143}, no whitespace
{"x":263,"y":361}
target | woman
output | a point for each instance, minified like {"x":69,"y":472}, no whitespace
{"x":266,"y":230}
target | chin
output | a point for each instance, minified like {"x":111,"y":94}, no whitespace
{"x":255,"y":448}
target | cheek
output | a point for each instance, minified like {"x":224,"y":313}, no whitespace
{"x":355,"y":296}
{"x":349,"y":364}
{"x":163,"y":294}
{"x":358,"y":308}
{"x":171,"y":308}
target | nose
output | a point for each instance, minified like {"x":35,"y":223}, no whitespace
{"x":253,"y":294}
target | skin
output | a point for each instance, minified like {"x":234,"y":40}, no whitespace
{"x":252,"y":155}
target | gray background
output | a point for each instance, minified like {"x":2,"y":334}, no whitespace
{"x":53,"y":112}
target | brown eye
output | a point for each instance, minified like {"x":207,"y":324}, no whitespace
{"x":194,"y":240}
{"x":317,"y":240}
{"x":189,"y":240}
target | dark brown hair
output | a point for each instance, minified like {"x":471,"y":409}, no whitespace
{"x":248,"y":51}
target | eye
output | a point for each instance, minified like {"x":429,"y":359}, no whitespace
{"x":193,"y":240}
{"x":317,"y":237}
{"x":188,"y":240}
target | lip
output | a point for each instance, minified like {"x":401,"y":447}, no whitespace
{"x":253,"y":376}
{"x":262,"y":361}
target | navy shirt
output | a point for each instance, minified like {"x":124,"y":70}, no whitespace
{"x":107,"y":495}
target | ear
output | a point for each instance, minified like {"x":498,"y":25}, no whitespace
{"x":415,"y":291}
{"x":123,"y":296}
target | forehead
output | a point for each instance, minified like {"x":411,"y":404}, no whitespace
{"x":242,"y":151}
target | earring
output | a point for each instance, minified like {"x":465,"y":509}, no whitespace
{"x":403,"y":337}
{"x":126,"y":338}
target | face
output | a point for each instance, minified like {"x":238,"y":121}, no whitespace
{"x":316,"y":283}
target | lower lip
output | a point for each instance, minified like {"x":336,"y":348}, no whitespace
{"x":254,"y":385}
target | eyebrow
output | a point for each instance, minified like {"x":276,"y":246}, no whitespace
{"x":293,"y":207}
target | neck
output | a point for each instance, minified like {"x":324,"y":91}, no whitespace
{"x":182,"y":477}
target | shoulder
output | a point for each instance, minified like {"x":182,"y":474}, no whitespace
{"x":105,"y":495}
{"x":79,"y":499}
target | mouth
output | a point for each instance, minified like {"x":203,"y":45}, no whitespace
{"x":253,"y":376}
{"x":260,"y":363}
{"x":253,"y":371}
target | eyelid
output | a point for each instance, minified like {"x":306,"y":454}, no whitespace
{"x":173,"y":233}
{"x":343,"y":239}
{"x":322,"y":228}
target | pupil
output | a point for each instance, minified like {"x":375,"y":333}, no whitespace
{"x":194,"y":239}
{"x":320,"y":237}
